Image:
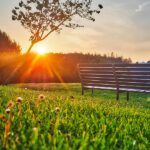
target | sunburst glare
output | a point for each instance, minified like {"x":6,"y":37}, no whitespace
{"x":40,"y":49}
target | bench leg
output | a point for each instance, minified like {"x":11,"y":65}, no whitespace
{"x":127,"y":96}
{"x":117,"y":96}
{"x":82,"y":91}
{"x":92,"y":91}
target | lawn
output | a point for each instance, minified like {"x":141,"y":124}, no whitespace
{"x":57,"y":116}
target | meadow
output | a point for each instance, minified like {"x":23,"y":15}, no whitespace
{"x":57,"y":116}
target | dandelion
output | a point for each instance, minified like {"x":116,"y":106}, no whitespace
{"x":72,"y":97}
{"x":34,"y":129}
{"x":10,"y":104}
{"x":41,"y":97}
{"x":134,"y":142}
{"x":3,"y":118}
{"x":7,"y":111}
{"x":57,"y":109}
{"x":12,"y":133}
{"x":19,"y":99}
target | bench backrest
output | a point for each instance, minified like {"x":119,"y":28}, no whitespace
{"x":119,"y":76}
{"x":99,"y":75}
{"x":133,"y":76}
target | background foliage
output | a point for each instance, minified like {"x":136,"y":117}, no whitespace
{"x":7,"y":44}
{"x":53,"y":67}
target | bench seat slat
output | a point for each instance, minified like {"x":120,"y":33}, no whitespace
{"x":134,"y":83}
{"x":94,"y":65}
{"x":121,"y":89}
{"x":114,"y":85}
{"x":132,"y":77}
{"x":103,"y":88}
{"x":114,"y":82}
{"x":96,"y":72}
{"x":134,"y":87}
{"x":134,"y":80}
{"x":132,"y":69}
{"x":96,"y":68}
{"x":99,"y":84}
{"x":133,"y":73}
{"x":98,"y":80}
{"x":96,"y":76}
{"x":134,"y":90}
{"x":119,"y":80}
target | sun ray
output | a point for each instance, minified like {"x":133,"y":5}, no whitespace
{"x":14,"y":71}
{"x":29,"y":70}
{"x":59,"y":77}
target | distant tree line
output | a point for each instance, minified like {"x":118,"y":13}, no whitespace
{"x":53,"y":67}
{"x":8,"y":45}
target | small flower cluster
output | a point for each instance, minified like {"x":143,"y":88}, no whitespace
{"x":3,"y":118}
{"x":7,"y":119}
{"x":19,"y":100}
{"x":9,"y":106}
{"x":41,"y":97}
{"x":7,"y":110}
{"x":57,"y":109}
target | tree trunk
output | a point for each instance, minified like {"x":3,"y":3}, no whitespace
{"x":30,"y":47}
{"x":27,"y":52}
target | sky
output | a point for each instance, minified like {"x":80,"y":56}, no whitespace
{"x":123,"y":27}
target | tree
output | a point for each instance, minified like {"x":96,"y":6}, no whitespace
{"x":8,"y":45}
{"x":42,"y":17}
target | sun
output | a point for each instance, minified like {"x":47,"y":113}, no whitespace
{"x":40,"y":49}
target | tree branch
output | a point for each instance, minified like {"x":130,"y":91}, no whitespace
{"x":56,"y":27}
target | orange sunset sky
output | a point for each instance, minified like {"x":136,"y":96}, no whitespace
{"x":123,"y":27}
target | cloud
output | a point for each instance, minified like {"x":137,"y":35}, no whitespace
{"x":141,"y":6}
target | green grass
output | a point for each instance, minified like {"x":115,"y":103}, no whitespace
{"x":82,"y":122}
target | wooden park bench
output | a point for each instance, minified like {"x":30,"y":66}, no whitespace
{"x":117,"y":77}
